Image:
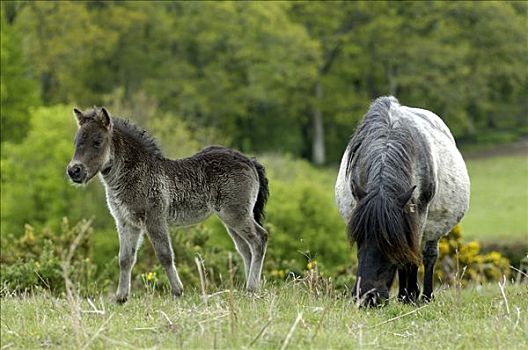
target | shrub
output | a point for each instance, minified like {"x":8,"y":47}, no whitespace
{"x":462,"y":261}
{"x":190,"y":244}
{"x":303,"y":220}
{"x":36,"y":259}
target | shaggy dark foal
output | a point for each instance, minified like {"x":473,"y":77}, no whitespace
{"x":146,"y":192}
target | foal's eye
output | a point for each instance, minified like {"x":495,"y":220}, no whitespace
{"x":97,"y":143}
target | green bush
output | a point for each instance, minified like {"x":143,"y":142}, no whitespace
{"x":463,"y":262}
{"x":302,"y":220}
{"x":37,"y":260}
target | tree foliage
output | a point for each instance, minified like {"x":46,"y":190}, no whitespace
{"x":262,"y":73}
{"x":259,"y":76}
{"x":18,"y":86}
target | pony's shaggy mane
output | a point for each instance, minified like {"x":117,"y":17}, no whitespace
{"x":381,"y":157}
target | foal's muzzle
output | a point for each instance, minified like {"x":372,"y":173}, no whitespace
{"x":77,"y":172}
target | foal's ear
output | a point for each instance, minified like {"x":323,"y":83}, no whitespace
{"x":81,"y":118}
{"x":357,"y":191}
{"x":104,"y":118}
{"x":405,"y":199}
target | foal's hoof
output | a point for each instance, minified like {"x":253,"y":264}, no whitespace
{"x":253,"y":289}
{"x":121,"y":299}
{"x":177,"y":293}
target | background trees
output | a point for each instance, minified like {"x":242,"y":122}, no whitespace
{"x":278,"y":77}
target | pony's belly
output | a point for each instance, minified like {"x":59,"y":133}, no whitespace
{"x":447,"y":209}
{"x":451,"y":200}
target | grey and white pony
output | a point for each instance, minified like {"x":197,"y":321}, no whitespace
{"x":402,"y":185}
{"x":146,"y":192}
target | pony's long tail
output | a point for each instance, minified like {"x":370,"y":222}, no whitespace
{"x":263,"y":194}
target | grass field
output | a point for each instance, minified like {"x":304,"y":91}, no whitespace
{"x":289,"y":315}
{"x":499,"y":199}
{"x":285,"y":316}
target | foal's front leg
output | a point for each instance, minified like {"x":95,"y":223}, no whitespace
{"x":129,"y":240}
{"x":158,"y":233}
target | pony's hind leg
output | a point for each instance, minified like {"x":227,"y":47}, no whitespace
{"x":159,"y":236}
{"x":129,"y":241}
{"x":242,"y":248}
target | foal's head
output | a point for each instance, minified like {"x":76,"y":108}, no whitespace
{"x":386,"y":232}
{"x":92,"y":145}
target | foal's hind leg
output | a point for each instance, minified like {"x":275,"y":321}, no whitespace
{"x":254,"y":235}
{"x":129,"y":241}
{"x":257,"y":239}
{"x":242,"y":248}
{"x":257,"y":260}
{"x":159,"y":236}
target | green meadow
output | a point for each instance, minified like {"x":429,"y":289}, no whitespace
{"x":285,"y":316}
{"x":499,"y":199}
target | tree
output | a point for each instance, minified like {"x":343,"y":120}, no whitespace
{"x":243,"y":68}
{"x":61,"y":42}
{"x":330,"y":24}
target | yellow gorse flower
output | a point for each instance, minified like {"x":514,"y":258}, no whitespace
{"x":151,"y":276}
{"x":443,"y":247}
{"x":278,"y":273}
{"x":311,"y":264}
{"x":495,"y":257}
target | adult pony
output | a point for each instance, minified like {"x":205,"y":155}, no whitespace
{"x":402,"y":185}
{"x":146,"y":192}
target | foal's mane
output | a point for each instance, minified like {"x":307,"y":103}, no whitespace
{"x":381,"y":158}
{"x":140,"y":135}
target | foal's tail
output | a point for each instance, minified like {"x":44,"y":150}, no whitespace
{"x":263,"y":194}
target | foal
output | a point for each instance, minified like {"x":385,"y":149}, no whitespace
{"x":146,"y":192}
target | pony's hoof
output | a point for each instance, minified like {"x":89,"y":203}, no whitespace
{"x":427,"y":298}
{"x":408,"y":298}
